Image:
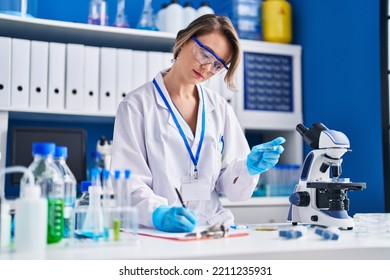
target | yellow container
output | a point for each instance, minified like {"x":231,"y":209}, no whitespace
{"x":276,"y":21}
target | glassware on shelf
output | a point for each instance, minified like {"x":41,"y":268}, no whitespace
{"x":121,"y":19}
{"x":98,"y":12}
{"x":147,"y":21}
{"x":22,"y":8}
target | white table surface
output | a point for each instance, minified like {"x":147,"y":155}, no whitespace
{"x":258,"y":245}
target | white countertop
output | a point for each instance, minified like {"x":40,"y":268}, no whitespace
{"x":258,"y":245}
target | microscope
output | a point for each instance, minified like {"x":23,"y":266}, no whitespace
{"x":104,"y":147}
{"x":320,"y":197}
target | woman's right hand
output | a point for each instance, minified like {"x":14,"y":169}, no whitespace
{"x":174,"y":219}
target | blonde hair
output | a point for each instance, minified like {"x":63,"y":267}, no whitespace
{"x":207,"y":24}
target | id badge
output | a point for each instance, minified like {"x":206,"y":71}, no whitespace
{"x":196,"y":190}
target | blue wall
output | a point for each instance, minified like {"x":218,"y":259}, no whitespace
{"x":341,"y":76}
{"x":341,"y":85}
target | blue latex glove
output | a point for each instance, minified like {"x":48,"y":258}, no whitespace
{"x":264,"y":156}
{"x":174,"y":219}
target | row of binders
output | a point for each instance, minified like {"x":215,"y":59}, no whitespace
{"x":62,"y":77}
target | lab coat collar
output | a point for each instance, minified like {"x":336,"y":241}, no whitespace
{"x":186,"y":129}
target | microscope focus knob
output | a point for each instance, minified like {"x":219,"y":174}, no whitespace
{"x":300,"y":199}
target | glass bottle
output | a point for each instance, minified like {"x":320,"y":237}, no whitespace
{"x":98,"y":12}
{"x":121,"y":19}
{"x":81,"y":207}
{"x":49,"y":178}
{"x":147,"y":21}
{"x":84,"y":198}
{"x":60,"y":156}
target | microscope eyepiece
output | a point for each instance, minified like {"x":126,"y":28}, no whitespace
{"x":319,"y":126}
{"x":312,"y":135}
{"x":301,"y":129}
{"x":102,"y":140}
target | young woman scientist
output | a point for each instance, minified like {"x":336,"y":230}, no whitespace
{"x":173,"y":132}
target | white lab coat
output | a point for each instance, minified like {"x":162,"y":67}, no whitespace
{"x":147,"y":141}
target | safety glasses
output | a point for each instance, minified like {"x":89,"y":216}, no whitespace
{"x":206,"y":56}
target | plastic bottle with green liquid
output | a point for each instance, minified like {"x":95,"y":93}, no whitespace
{"x":49,"y":178}
{"x":70,"y":183}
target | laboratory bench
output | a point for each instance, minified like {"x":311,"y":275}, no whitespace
{"x":265,"y":245}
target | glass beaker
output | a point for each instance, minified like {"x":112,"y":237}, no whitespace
{"x":23,"y":8}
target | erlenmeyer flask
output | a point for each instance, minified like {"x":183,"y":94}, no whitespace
{"x":147,"y":18}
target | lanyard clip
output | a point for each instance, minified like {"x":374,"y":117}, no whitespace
{"x":196,"y":174}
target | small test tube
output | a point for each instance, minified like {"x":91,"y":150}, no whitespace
{"x":125,"y":189}
{"x":294,"y":232}
{"x":267,"y":148}
{"x":319,"y":231}
{"x":116,"y":228}
{"x":330,"y":233}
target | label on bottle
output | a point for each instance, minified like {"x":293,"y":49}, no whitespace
{"x":69,"y":204}
{"x":55,"y":222}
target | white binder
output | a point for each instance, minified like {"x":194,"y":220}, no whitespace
{"x":38,"y":74}
{"x":155,"y":64}
{"x":74,"y":77}
{"x":107,"y":92}
{"x":91,"y":78}
{"x":139,"y":68}
{"x":5,"y":72}
{"x":56,"y":79}
{"x":124,"y":73}
{"x":20,"y":73}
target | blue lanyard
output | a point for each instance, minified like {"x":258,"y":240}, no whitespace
{"x":195,"y":159}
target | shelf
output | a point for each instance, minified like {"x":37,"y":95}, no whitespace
{"x":56,"y":116}
{"x":273,"y":124}
{"x":86,"y":34}
{"x":106,"y":36}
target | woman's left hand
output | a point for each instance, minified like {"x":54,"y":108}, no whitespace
{"x":264,"y":156}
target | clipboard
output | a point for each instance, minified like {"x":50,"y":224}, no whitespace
{"x":200,"y":233}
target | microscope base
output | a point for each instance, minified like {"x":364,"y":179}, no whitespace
{"x":317,"y":217}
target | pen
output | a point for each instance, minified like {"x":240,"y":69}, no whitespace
{"x":180,"y":197}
